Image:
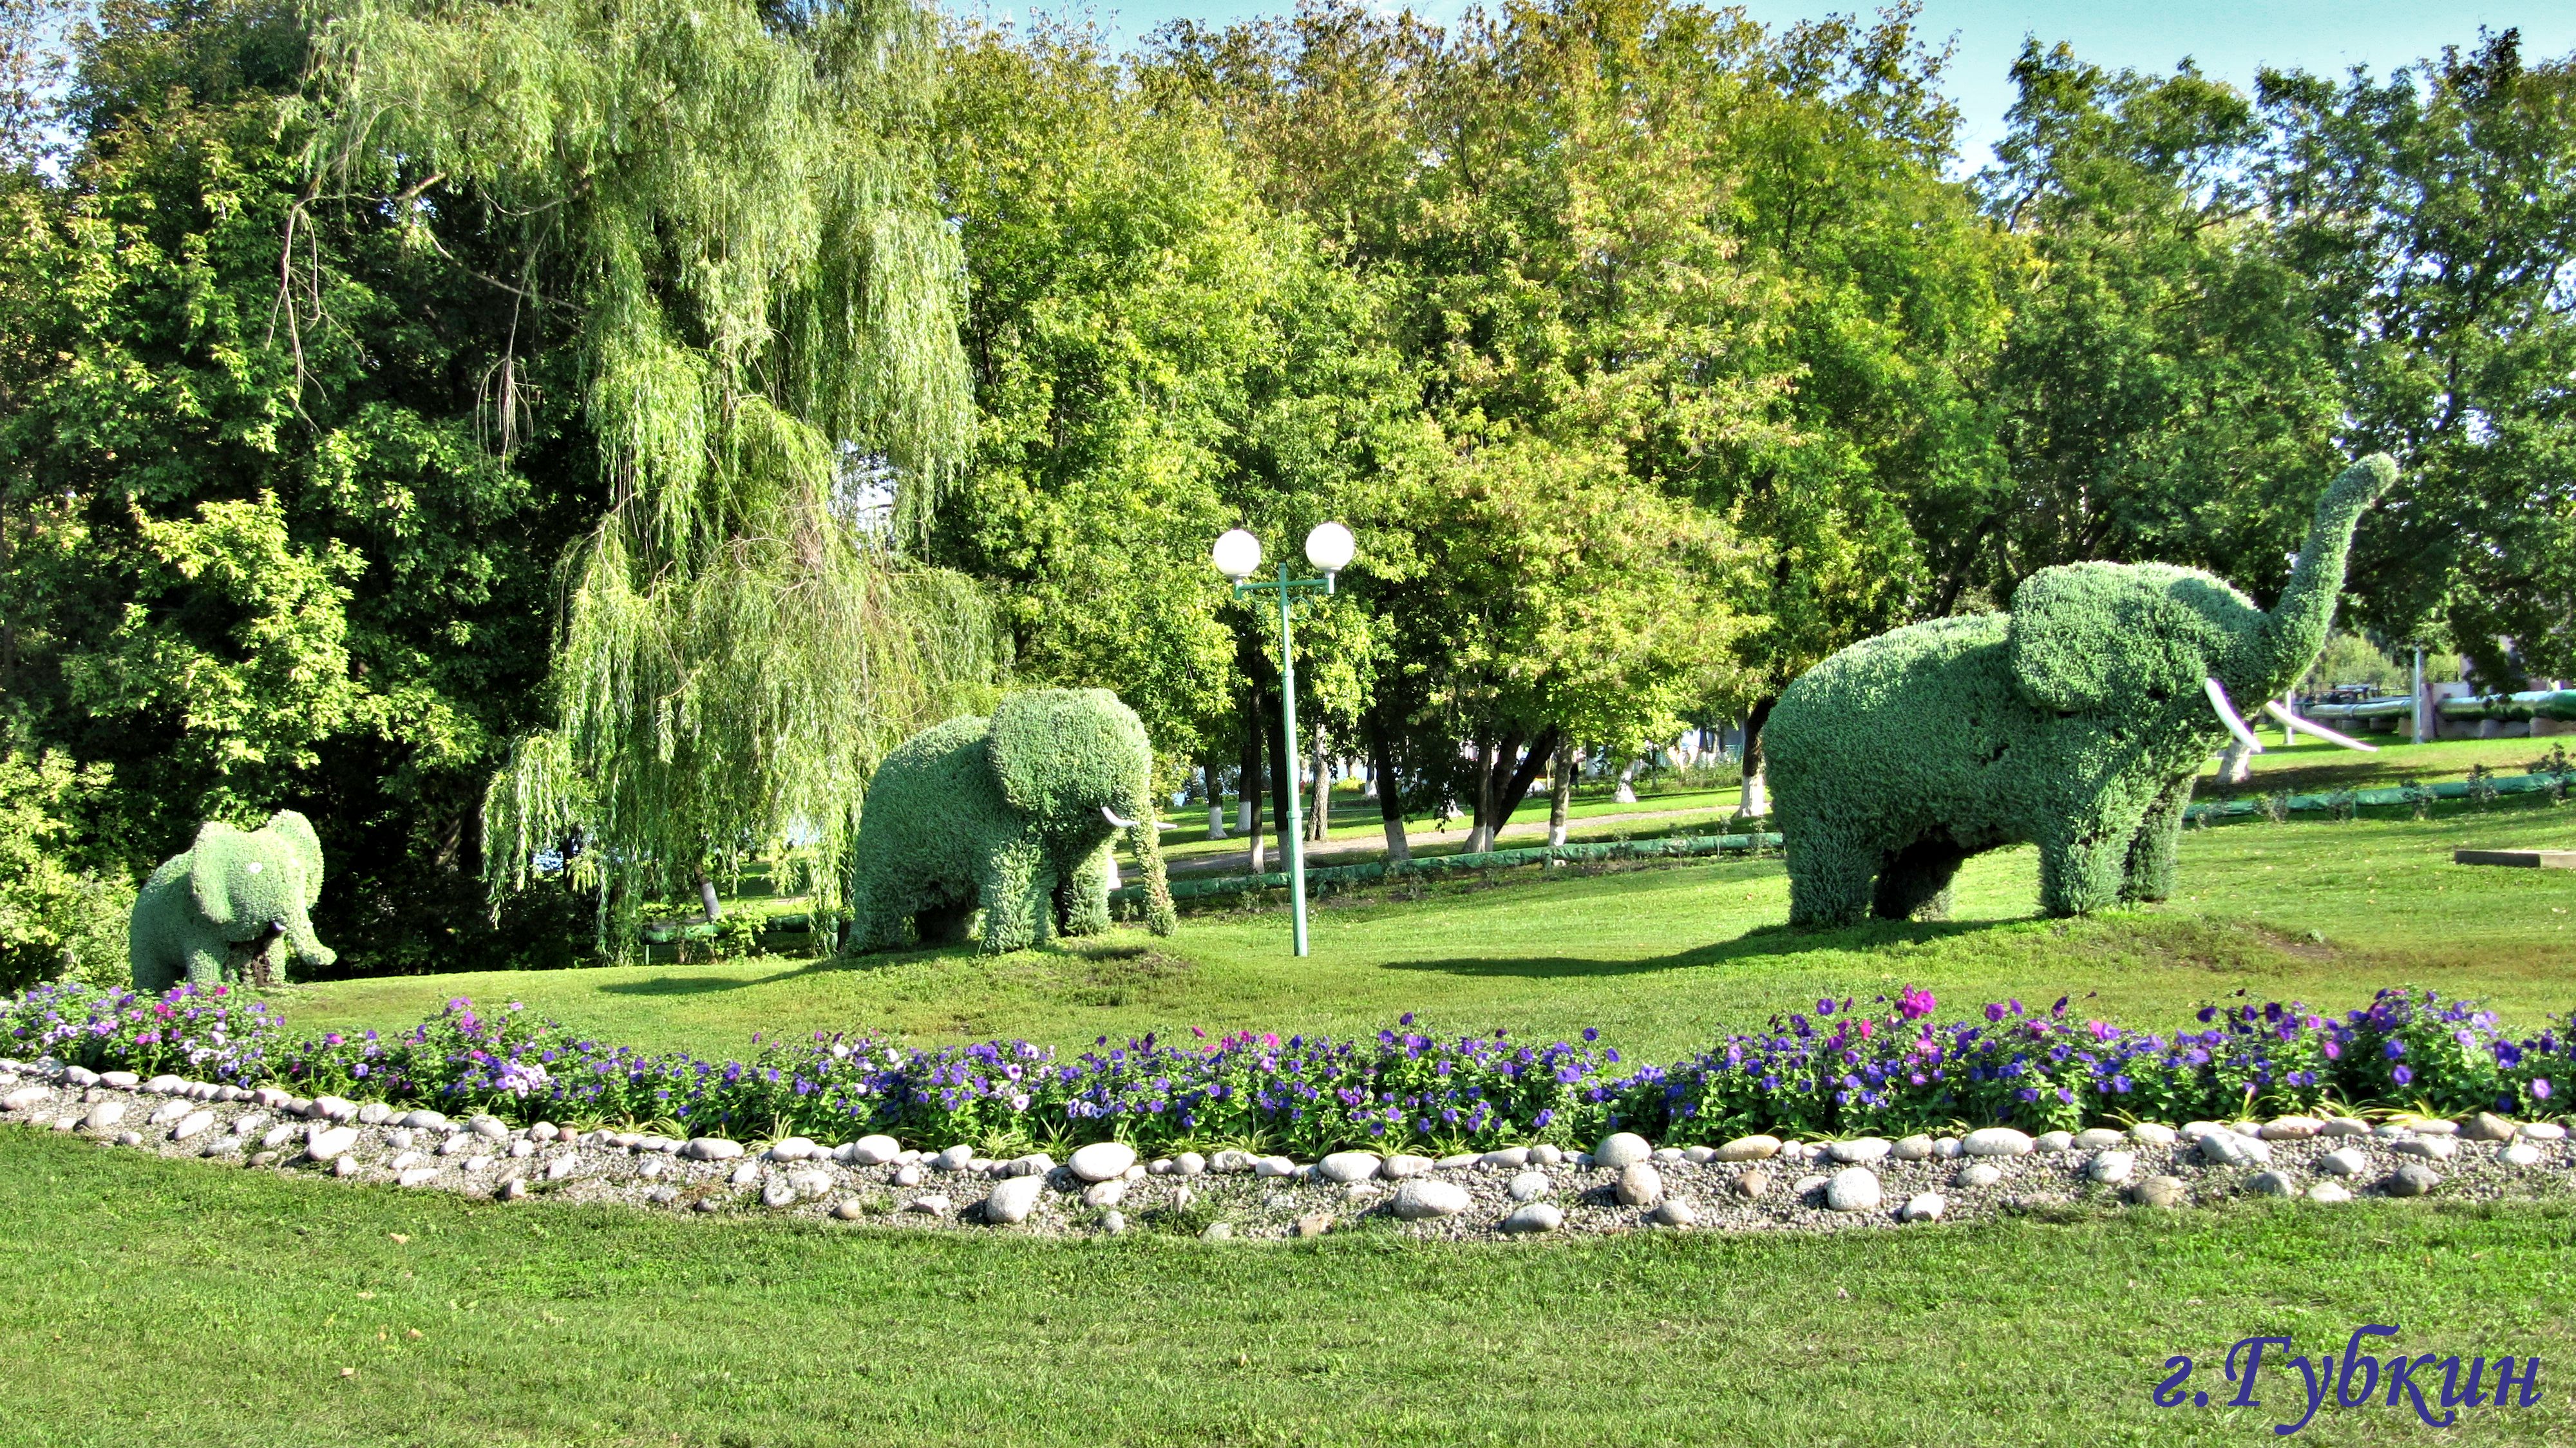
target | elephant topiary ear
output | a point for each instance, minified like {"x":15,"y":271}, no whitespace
{"x":1024,"y":744}
{"x":2086,"y":637}
{"x":212,"y":860}
{"x":306,"y":846}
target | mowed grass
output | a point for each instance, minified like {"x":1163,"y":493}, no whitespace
{"x":175,"y":1302}
{"x":1660,"y":959}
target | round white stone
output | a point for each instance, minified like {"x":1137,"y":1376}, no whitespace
{"x":1529,"y":1186}
{"x":333,"y":1143}
{"x":1860,"y":1151}
{"x":1917,"y":1147}
{"x":2053,"y":1141}
{"x":1403,"y":1165}
{"x":1534,"y":1217}
{"x":1012,"y":1199}
{"x":2111,"y":1167}
{"x":2099,"y":1138}
{"x":1621,"y":1149}
{"x":1853,"y":1189}
{"x":2152,"y":1133}
{"x":1640,"y":1185}
{"x":2273,"y":1184}
{"x":1750,"y":1148}
{"x":1996,"y":1141}
{"x":1423,"y":1197}
{"x":1923,"y":1207}
{"x":2344,"y":1161}
{"x":2329,"y":1192}
{"x":1980,"y":1174}
{"x":705,"y":1148}
{"x":2522,"y":1153}
{"x":1102,"y":1160}
{"x":1348,"y":1166}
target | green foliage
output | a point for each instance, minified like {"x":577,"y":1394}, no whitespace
{"x":2076,"y":723}
{"x":228,"y":909}
{"x":241,"y":565}
{"x":2433,"y":213}
{"x":1007,"y":816}
{"x":56,"y":919}
{"x":2158,"y":393}
{"x":757,"y":310}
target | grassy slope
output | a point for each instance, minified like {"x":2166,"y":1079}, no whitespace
{"x":1659,"y":959}
{"x":155,"y":1301}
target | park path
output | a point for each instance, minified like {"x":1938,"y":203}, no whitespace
{"x":1371,"y":846}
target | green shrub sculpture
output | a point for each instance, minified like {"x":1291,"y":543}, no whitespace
{"x":1012,"y":815}
{"x":2077,"y":722}
{"x":227,"y":911}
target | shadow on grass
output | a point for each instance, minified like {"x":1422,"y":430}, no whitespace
{"x":1761,"y":942}
{"x":689,"y":985}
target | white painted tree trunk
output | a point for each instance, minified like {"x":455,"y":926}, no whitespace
{"x":2235,"y":766}
{"x":1757,"y":798}
{"x":1216,"y":802}
{"x":1560,"y":794}
{"x":1626,"y":793}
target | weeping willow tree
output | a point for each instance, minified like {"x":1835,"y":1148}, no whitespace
{"x":718,"y":212}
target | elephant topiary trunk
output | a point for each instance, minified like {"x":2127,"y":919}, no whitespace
{"x":226,"y":911}
{"x":1010,"y":817}
{"x":2077,"y":722}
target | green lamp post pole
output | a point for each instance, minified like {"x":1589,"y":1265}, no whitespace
{"x":1238,"y":554}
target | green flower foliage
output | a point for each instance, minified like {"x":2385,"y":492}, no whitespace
{"x":220,"y":912}
{"x":1006,"y":814}
{"x":2077,"y":723}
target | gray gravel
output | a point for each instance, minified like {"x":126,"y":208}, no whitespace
{"x":1538,"y":1191}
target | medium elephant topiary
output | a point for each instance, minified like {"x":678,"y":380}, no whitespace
{"x":230,"y":907}
{"x":2077,"y":722}
{"x":1013,"y":815}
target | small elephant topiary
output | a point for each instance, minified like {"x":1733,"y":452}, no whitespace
{"x":2077,"y":722}
{"x":1012,"y":815}
{"x":228,"y":910}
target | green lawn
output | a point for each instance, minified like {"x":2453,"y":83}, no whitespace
{"x":174,"y":1301}
{"x":1660,"y":959}
{"x":171,"y":1302}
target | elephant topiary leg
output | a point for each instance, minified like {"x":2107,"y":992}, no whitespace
{"x":2084,"y":865}
{"x":1829,"y":878}
{"x":206,"y":963}
{"x":2150,"y":874}
{"x":1914,"y":883}
{"x":1014,"y":883}
{"x":1083,"y":898}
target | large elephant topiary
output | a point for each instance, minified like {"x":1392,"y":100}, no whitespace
{"x":230,"y":907}
{"x":2076,"y":722}
{"x":1013,"y":814}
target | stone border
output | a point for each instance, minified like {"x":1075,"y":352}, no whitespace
{"x":1756,"y":1183}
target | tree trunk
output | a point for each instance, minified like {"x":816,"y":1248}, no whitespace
{"x":1390,"y":795}
{"x":1283,"y":772}
{"x":1480,"y":810}
{"x":1504,"y":774}
{"x":1320,"y":828}
{"x":1249,"y":811}
{"x":1626,"y":793}
{"x":1756,"y":800}
{"x":1560,"y":794}
{"x":707,"y":897}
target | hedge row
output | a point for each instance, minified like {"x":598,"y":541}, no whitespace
{"x":1884,"y":1067}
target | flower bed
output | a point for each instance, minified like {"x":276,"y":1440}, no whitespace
{"x":1844,"y":1069}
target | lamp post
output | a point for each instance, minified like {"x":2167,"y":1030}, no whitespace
{"x":1238,"y":556}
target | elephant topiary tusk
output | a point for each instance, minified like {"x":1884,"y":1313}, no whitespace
{"x":2293,"y":721}
{"x":2227,"y":715}
{"x":1111,"y":815}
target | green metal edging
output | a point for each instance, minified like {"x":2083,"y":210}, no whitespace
{"x":1678,"y":848}
{"x":2401,"y":794}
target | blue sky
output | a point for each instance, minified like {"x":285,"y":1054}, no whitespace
{"x":2229,"y":38}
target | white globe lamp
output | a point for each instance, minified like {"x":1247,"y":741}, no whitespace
{"x":1238,"y":555}
{"x":1329,"y":548}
